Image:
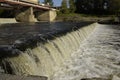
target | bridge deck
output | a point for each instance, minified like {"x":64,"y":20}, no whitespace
{"x":12,"y":2}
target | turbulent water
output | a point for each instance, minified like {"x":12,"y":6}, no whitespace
{"x":44,"y":58}
{"x":98,"y":56}
{"x":74,"y":55}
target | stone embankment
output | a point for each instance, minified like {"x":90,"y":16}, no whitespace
{"x":7,"y":20}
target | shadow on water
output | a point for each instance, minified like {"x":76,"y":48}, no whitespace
{"x":16,"y":37}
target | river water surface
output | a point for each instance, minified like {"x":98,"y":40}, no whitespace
{"x":37,"y":48}
{"x":9,"y":33}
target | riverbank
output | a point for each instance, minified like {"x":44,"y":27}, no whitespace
{"x":7,"y":20}
{"x":74,"y":18}
{"x":83,"y":17}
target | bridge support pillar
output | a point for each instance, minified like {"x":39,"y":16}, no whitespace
{"x":47,"y":15}
{"x":25,"y":15}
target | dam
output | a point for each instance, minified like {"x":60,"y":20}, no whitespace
{"x":61,"y":51}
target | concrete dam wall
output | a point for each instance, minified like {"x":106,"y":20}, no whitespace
{"x":46,"y":56}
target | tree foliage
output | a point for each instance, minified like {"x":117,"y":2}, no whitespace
{"x":114,"y":6}
{"x":48,"y":1}
{"x":72,"y":6}
{"x":64,"y":8}
{"x":89,"y":6}
{"x":97,"y":6}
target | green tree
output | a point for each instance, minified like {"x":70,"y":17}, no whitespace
{"x":64,"y":8}
{"x":50,"y":2}
{"x":114,"y":6}
{"x":91,"y":6}
{"x":84,"y":6}
{"x":78,"y":7}
{"x":99,"y":6}
{"x":72,"y":6}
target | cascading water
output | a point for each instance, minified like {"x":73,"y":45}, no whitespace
{"x":46,"y":58}
{"x":98,"y":57}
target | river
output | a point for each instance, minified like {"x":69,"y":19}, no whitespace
{"x":60,"y":50}
{"x":9,"y":33}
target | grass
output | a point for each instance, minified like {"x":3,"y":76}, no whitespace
{"x":82,"y":17}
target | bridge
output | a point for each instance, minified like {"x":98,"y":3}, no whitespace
{"x":29,"y":12}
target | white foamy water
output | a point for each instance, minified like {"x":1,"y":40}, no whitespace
{"x":98,"y":56}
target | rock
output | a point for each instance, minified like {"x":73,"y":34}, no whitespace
{"x":95,"y":79}
{"x":116,"y":77}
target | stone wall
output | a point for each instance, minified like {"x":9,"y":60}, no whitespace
{"x":47,"y":16}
